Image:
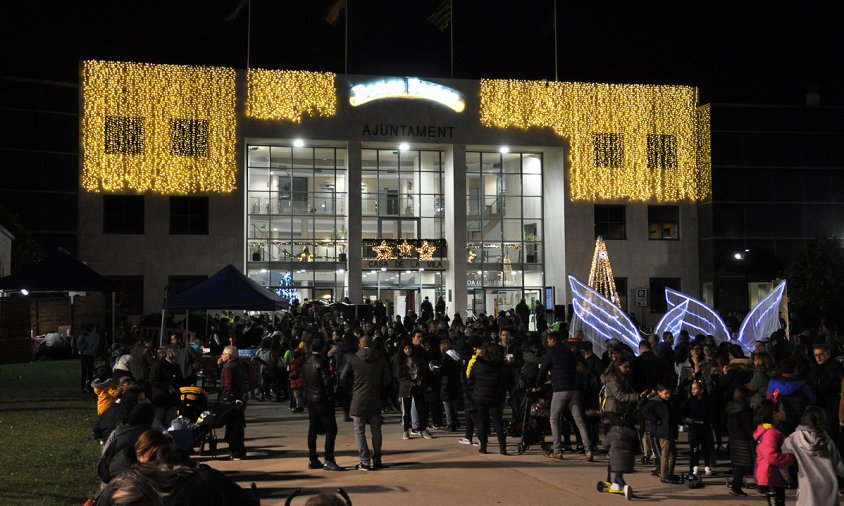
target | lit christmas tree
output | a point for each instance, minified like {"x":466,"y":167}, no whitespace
{"x":287,"y":294}
{"x":600,"y":275}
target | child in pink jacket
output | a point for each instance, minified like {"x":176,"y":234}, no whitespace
{"x":770,"y":461}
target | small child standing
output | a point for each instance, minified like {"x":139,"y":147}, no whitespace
{"x":770,"y":461}
{"x":662,"y":425}
{"x":621,"y":444}
{"x":696,"y":413}
{"x":297,"y":381}
{"x":818,"y":461}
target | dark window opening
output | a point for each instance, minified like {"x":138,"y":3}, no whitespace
{"x":657,"y":292}
{"x":189,"y":215}
{"x":663,"y":223}
{"x":610,"y":222}
{"x":123,"y":214}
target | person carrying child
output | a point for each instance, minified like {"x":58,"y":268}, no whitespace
{"x":771,"y":463}
{"x":662,"y":424}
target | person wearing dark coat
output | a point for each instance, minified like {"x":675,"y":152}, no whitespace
{"x":233,"y":390}
{"x":662,"y":425}
{"x":369,"y":375}
{"x":740,"y":429}
{"x":490,"y":378}
{"x":410,"y":373}
{"x":119,"y":449}
{"x":824,"y":378}
{"x":621,"y":444}
{"x":467,"y":354}
{"x":450,"y":386}
{"x":319,"y":397}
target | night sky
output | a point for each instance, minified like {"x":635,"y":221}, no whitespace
{"x":732,"y":51}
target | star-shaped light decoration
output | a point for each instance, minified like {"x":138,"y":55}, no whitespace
{"x":383,"y":251}
{"x":405,"y":248}
{"x":426,"y":251}
{"x":471,"y":256}
{"x":305,"y":255}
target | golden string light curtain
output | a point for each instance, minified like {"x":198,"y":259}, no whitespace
{"x":167,"y":129}
{"x":626,"y":141}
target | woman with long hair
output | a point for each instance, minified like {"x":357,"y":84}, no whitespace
{"x":818,"y":461}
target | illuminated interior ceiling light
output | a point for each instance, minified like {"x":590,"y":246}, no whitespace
{"x":405,"y":249}
{"x":404,"y":146}
{"x":383,"y":251}
{"x":407,"y":87}
{"x":426,"y":251}
{"x":383,"y":269}
{"x":298,"y":143}
{"x":503,"y":150}
{"x":659,"y":139}
{"x":290,"y":94}
{"x":168,"y":129}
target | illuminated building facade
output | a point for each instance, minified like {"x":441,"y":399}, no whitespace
{"x":323,"y":186}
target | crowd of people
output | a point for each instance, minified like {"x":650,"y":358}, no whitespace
{"x":775,"y":411}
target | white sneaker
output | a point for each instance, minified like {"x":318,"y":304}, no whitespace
{"x":615,"y":487}
{"x":628,"y":492}
{"x":426,"y":434}
{"x":406,"y":435}
{"x":695,"y":470}
{"x":707,"y":471}
{"x":464,"y":441}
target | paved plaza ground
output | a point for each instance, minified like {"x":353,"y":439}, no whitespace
{"x":439,"y":471}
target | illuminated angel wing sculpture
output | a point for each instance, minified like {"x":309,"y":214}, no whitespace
{"x":763,"y":320}
{"x":688,"y":313}
{"x":600,"y":319}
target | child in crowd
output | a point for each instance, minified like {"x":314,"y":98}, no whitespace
{"x":105,"y":388}
{"x":621,"y":443}
{"x":697,"y":415}
{"x":771,"y":463}
{"x":662,"y":425}
{"x":297,"y":380}
{"x":818,"y":461}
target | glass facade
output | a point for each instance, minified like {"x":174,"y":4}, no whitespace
{"x":504,"y":229}
{"x":401,"y":198}
{"x":296,"y":220}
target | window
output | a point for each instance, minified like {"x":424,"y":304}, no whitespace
{"x":662,"y":152}
{"x":610,"y":222}
{"x":124,"y":136}
{"x":663,"y":223}
{"x":189,"y":137}
{"x":621,"y":290}
{"x":189,"y":215}
{"x":123,"y":214}
{"x":178,"y":284}
{"x":130,"y":293}
{"x":609,"y":150}
{"x":657,"y":292}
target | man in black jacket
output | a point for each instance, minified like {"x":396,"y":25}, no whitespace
{"x":233,"y":392}
{"x":319,"y":389}
{"x":561,"y":362}
{"x":369,"y":375}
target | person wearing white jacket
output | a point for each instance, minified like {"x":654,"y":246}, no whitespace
{"x":818,"y":461}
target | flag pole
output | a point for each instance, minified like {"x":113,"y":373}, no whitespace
{"x":451,"y":41}
{"x":248,"y":32}
{"x":555,"y":41}
{"x":346,"y":41}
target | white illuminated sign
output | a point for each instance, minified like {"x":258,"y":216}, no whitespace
{"x":408,"y":87}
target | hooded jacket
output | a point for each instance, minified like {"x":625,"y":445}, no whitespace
{"x":369,"y":375}
{"x":769,"y":457}
{"x":794,"y":394}
{"x":562,"y":363}
{"x":817,"y":476}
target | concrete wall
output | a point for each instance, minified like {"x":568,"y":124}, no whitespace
{"x":6,"y":239}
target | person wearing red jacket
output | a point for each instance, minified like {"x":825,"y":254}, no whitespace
{"x":771,"y":463}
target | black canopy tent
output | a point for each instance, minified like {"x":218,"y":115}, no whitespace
{"x":60,"y":272}
{"x":227,"y":289}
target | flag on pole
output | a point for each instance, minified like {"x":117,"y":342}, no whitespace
{"x":236,"y":12}
{"x":332,"y":16}
{"x":441,"y":17}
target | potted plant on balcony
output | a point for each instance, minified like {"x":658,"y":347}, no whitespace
{"x":257,"y":250}
{"x":339,"y":237}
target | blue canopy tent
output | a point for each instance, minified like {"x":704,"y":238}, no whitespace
{"x":227,"y":289}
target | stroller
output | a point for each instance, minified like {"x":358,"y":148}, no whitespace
{"x":196,"y":420}
{"x":533,"y":419}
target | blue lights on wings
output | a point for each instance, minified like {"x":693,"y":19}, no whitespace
{"x":764,"y":319}
{"x":688,"y":313}
{"x":600,"y":319}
